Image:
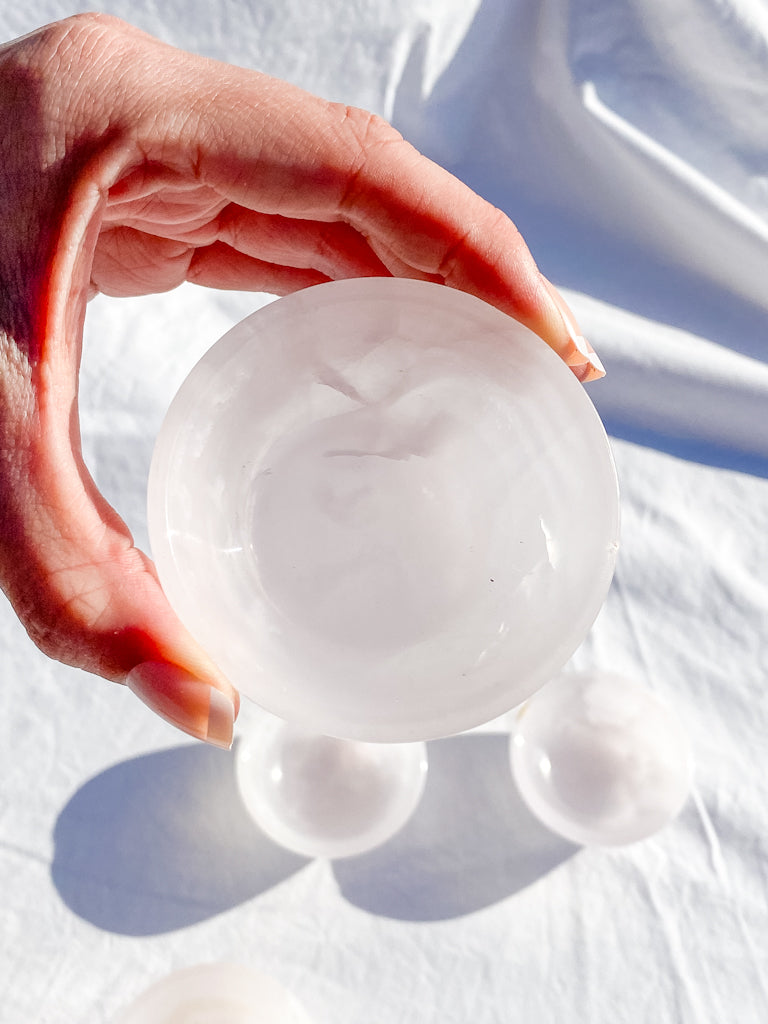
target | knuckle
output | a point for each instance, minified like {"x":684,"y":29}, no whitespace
{"x":47,"y":637}
{"x":368,"y":129}
{"x":368,"y":136}
{"x":48,"y":628}
{"x":57,"y":42}
{"x":52,"y":66}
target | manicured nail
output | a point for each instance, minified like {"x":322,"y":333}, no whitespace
{"x":185,"y":701}
{"x":579,"y":355}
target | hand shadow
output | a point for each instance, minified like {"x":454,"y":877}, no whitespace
{"x":470,"y":843}
{"x":162,"y":842}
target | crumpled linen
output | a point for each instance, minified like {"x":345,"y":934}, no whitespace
{"x":628,"y":139}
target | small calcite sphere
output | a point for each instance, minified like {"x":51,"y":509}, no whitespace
{"x":326,"y":797}
{"x":214,"y":994}
{"x":387,"y":510}
{"x":600,"y":759}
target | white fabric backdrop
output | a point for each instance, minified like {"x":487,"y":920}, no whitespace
{"x":629,"y":141}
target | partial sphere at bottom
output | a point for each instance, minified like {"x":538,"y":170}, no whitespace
{"x":212,"y":994}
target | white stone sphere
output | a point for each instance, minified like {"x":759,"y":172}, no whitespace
{"x":217,"y":993}
{"x":326,"y":797}
{"x":599,"y":759}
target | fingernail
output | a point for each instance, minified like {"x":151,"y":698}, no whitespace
{"x":579,"y":355}
{"x":189,"y":703}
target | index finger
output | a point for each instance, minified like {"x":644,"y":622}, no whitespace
{"x":274,"y":148}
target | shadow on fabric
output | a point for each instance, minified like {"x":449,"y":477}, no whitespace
{"x":162,"y":842}
{"x":615,"y":184}
{"x":470,"y":844}
{"x":602,"y":216}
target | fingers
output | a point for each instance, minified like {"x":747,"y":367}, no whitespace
{"x":271,"y":148}
{"x":184,"y":700}
{"x":220,"y":266}
{"x":334,"y":162}
{"x":262,"y":186}
{"x":334,"y":249}
{"x":456,"y":236}
{"x":581,"y":357}
{"x":86,"y":595}
{"x":130,"y":262}
{"x":241,"y":249}
{"x":89,"y":598}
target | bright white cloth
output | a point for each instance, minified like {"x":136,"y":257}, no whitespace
{"x":628,"y":139}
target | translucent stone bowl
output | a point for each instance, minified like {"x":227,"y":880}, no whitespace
{"x":387,"y":510}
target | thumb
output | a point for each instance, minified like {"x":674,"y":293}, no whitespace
{"x":86,"y":595}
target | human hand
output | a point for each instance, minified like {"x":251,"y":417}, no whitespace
{"x":127,"y":167}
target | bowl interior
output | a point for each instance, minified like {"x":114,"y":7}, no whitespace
{"x":387,"y":510}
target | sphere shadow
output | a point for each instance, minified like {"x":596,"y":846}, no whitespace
{"x":471,"y":842}
{"x":161,"y":842}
